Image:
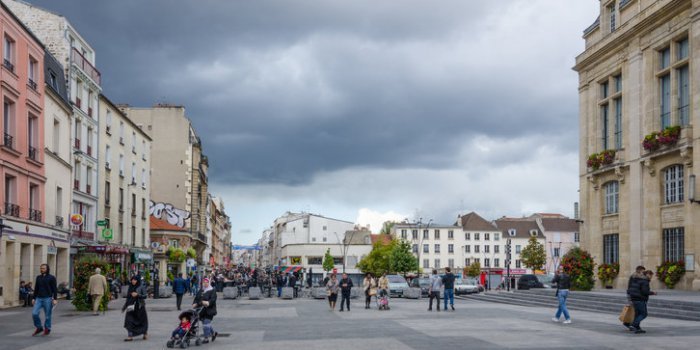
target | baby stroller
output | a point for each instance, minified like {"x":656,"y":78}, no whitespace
{"x":383,"y":300}
{"x":192,"y":334}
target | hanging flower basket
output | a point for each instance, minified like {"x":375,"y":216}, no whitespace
{"x":671,"y":272}
{"x":607,"y":273}
{"x":596,"y":160}
{"x":667,"y":137}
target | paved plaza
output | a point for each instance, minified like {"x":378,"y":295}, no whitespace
{"x":308,"y":324}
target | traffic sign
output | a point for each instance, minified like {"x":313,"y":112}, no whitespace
{"x":101,"y":223}
{"x":107,"y":233}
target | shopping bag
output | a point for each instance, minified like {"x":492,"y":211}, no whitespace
{"x":627,"y":314}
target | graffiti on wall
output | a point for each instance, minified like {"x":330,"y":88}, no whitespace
{"x":173,"y":216}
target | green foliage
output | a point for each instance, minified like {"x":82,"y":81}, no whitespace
{"x":386,"y":227}
{"x":402,"y":259}
{"x":328,"y":261}
{"x":191,"y":253}
{"x":147,"y":276}
{"x":83,"y":270}
{"x":378,"y":260}
{"x":474,"y":270}
{"x":579,"y":265}
{"x":170,"y":275}
{"x":608,"y":272}
{"x":670,"y":273}
{"x":533,"y":255}
{"x":176,"y":255}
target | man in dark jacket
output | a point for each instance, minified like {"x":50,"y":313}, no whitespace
{"x":179,"y":288}
{"x":448,"y":282}
{"x":639,"y":292}
{"x":639,"y":270}
{"x":45,"y":297}
{"x":293,"y":283}
{"x":345,"y":288}
{"x":281,"y":281}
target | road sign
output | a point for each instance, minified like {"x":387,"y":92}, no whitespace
{"x":107,"y":233}
{"x":101,"y":222}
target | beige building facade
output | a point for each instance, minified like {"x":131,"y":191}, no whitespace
{"x":637,"y":76}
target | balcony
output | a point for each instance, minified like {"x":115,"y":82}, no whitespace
{"x":7,"y":64}
{"x":35,"y":215}
{"x":11,"y":209}
{"x":59,"y":221}
{"x":76,"y":185}
{"x":9,"y":139}
{"x":32,"y":153}
{"x":79,"y":60}
{"x":32,"y":84}
{"x":78,"y":102}
{"x":77,"y":144}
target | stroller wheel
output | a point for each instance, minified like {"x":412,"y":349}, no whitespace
{"x":170,"y":344}
{"x":198,"y":342}
{"x":184,"y":345}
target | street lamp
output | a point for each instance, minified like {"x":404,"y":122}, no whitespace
{"x":345,"y":245}
{"x":420,"y":242}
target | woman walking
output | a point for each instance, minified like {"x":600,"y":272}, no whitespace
{"x":332,"y":287}
{"x":370,"y":287}
{"x":206,"y":298}
{"x":136,"y":319}
{"x":563,"y":283}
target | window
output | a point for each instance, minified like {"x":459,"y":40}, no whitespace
{"x":143,"y":149}
{"x":476,"y":249}
{"x":144,"y":177}
{"x":451,"y":248}
{"x":315,"y":260}
{"x":451,"y":263}
{"x":683,"y":75}
{"x":512,"y":232}
{"x":497,"y":249}
{"x":415,"y":249}
{"x":174,"y":243}
{"x":665,"y":58}
{"x":121,"y":165}
{"x":437,"y":234}
{"x":476,"y":236}
{"x":467,"y":262}
{"x":121,"y":199}
{"x":467,"y":236}
{"x":487,"y":262}
{"x":496,"y":236}
{"x":476,"y":260}
{"x":325,"y":228}
{"x":555,"y":253}
{"x":56,"y":144}
{"x":487,"y":237}
{"x":673,"y":70}
{"x":437,"y":248}
{"x":437,"y":263}
{"x":673,"y":241}
{"x":467,"y":249}
{"x":33,"y":70}
{"x":426,"y":248}
{"x":682,"y":49}
{"x":404,"y":234}
{"x":496,"y":262}
{"x":107,"y":192}
{"x":673,"y":184}
{"x":487,"y":249}
{"x":88,"y":180}
{"x":576,"y":237}
{"x":414,"y":234}
{"x":8,"y":123}
{"x":517,"y":249}
{"x":108,"y":157}
{"x":108,"y":129}
{"x":9,"y":54}
{"x":121,"y":132}
{"x":518,"y":264}
{"x":89,"y":141}
{"x":53,"y":80}
{"x":425,"y":234}
{"x":604,"y":126}
{"x":33,"y":137}
{"x":450,"y":234}
{"x":665,"y":92}
{"x":133,"y":142}
{"x":618,"y":122}
{"x":611,"y":13}
{"x":611,"y":249}
{"x":426,"y":263}
{"x":612,"y":197}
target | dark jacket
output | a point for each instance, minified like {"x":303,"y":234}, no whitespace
{"x":140,"y":298}
{"x":281,"y":281}
{"x":562,"y":280}
{"x":639,"y":289}
{"x":292,"y":281}
{"x":345,"y":285}
{"x":179,"y":286}
{"x":45,"y":287}
{"x":207,"y":312}
{"x":449,"y":280}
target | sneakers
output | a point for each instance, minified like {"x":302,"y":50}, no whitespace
{"x":213,"y":337}
{"x":47,"y":331}
{"x":37,"y":331}
{"x":639,"y":331}
{"x":567,"y":321}
{"x":453,"y":307}
{"x":554,"y":319}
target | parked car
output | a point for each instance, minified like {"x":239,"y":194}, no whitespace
{"x":423,"y":283}
{"x":397,"y":284}
{"x":529,"y":281}
{"x":466,"y":286}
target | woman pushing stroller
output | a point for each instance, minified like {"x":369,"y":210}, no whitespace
{"x":206,"y":299}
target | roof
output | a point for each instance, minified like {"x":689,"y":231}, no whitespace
{"x":162,"y":225}
{"x":22,"y":24}
{"x":386,"y":239}
{"x":125,"y":117}
{"x":522,"y":227}
{"x":560,"y":225}
{"x":474,"y":222}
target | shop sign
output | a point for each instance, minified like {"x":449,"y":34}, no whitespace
{"x":144,"y":256}
{"x":52,"y":250}
{"x":191,"y":263}
{"x":107,"y":233}
{"x":76,"y":219}
{"x":518,"y":271}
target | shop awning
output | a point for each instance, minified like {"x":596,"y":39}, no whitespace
{"x":289,"y":269}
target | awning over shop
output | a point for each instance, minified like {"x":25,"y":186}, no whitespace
{"x":103,"y":249}
{"x":141,"y":255}
{"x":288,"y":269}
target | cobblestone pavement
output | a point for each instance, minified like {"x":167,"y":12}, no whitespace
{"x":308,"y":324}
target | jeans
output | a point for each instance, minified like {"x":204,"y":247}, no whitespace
{"x":46,"y":304}
{"x":436,"y":296}
{"x":640,"y":313}
{"x":563,"y":294}
{"x":449,"y":294}
{"x":279,"y":292}
{"x":208,"y":329}
{"x":178,"y":298}
{"x":345,"y":300}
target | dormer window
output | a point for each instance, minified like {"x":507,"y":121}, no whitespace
{"x":533,"y":233}
{"x":512,"y":232}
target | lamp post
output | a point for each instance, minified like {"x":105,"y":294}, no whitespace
{"x":345,"y":245}
{"x":420,"y":242}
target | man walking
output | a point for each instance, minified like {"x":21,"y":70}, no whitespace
{"x":194,"y":286}
{"x":434,"y":290}
{"x":97,"y":287}
{"x":45,"y":297}
{"x":345,"y":288}
{"x":281,"y":281}
{"x":156,"y":283}
{"x":639,"y":292}
{"x":638,"y":271}
{"x":179,"y":288}
{"x":293,"y":283}
{"x":449,"y":282}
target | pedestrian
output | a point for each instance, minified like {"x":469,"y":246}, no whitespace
{"x":45,"y":297}
{"x":281,"y":281}
{"x":194,"y":286}
{"x":23,"y":295}
{"x":370,"y":288}
{"x":136,"y":318}
{"x":179,"y":288}
{"x":563,"y":282}
{"x":434,"y":290}
{"x":293,"y":283}
{"x":449,"y":282}
{"x":345,"y":290}
{"x":206,"y":299}
{"x":97,"y":287}
{"x":639,"y":292}
{"x":332,"y":290}
{"x":384,"y":283}
{"x":637,"y":271}
{"x":156,"y":283}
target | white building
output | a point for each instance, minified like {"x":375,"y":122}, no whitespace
{"x":561,"y":235}
{"x":436,"y":246}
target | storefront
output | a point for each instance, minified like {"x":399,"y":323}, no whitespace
{"x":115,"y":256}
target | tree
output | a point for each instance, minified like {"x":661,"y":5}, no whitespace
{"x":474,"y":270}
{"x":378,"y":261}
{"x":534,"y":255}
{"x":328,"y":261}
{"x":386,"y":227}
{"x":402,"y":259}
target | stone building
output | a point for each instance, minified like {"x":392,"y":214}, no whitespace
{"x":636,"y":79}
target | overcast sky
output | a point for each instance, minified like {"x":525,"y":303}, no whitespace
{"x":360,"y":110}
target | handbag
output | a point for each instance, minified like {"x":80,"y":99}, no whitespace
{"x":372,"y":291}
{"x":130,"y":308}
{"x":627,"y":314}
{"x":328,"y":292}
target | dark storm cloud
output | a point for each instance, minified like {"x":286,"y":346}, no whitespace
{"x":283,"y":90}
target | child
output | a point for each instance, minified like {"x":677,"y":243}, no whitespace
{"x":183,"y":328}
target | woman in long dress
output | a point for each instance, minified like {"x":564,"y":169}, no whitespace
{"x":136,"y":319}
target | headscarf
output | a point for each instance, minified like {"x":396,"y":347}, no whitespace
{"x":209,"y":287}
